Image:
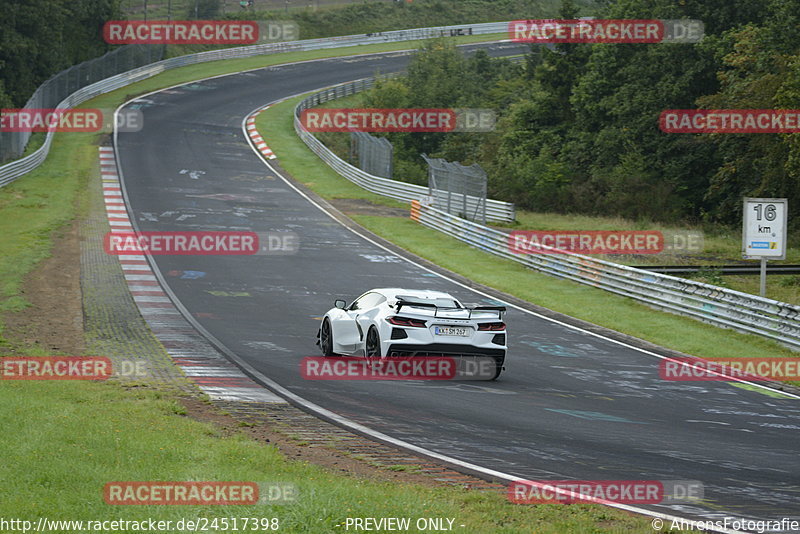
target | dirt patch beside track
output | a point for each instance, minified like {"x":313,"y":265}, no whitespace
{"x":360,"y":206}
{"x":54,"y":320}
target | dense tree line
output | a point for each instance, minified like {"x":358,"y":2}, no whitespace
{"x":578,"y":129}
{"x":373,"y":16}
{"x":39,"y":38}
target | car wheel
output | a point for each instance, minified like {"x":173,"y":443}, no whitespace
{"x":372,"y":346}
{"x":326,"y":338}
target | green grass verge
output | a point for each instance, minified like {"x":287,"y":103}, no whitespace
{"x":580,"y":301}
{"x":61,"y":448}
{"x":785,"y":288}
{"x":35,"y":207}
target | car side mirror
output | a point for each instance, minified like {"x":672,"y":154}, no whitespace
{"x":339,"y":303}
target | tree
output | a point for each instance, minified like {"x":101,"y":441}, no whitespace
{"x":204,"y":9}
{"x":39,"y":38}
{"x":755,"y":75}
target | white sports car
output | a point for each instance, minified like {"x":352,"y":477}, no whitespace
{"x":393,"y":322}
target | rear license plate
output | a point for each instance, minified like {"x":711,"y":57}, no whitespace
{"x":451,"y":331}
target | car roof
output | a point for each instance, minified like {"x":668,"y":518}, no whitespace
{"x":392,"y":292}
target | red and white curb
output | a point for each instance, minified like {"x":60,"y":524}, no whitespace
{"x":199,"y":361}
{"x":258,"y":141}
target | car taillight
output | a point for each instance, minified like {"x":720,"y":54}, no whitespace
{"x":492,"y":327}
{"x":406,"y":321}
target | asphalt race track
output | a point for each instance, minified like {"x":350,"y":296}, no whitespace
{"x":571,"y":405}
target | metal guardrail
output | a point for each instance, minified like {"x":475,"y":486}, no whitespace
{"x":721,"y":269}
{"x":715,"y":305}
{"x":15,"y":169}
{"x":496,"y":210}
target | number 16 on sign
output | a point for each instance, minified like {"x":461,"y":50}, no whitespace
{"x":764,"y":232}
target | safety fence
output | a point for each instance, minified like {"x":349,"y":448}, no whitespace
{"x":87,"y":88}
{"x":496,"y":210}
{"x":715,"y":305}
{"x":62,"y":85}
{"x":374,"y":154}
{"x":453,"y":186}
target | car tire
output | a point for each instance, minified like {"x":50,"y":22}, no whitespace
{"x":499,"y":362}
{"x":326,"y":338}
{"x":372,"y":344}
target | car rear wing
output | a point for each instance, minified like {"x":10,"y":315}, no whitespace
{"x":436,"y":309}
{"x":499,"y":309}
